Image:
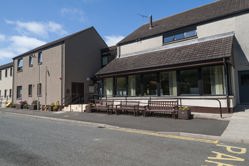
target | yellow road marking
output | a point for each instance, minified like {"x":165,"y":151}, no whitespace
{"x":127,"y":130}
{"x":149,"y":133}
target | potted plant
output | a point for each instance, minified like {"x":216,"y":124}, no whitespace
{"x":51,"y":107}
{"x":56,"y":106}
{"x":184,"y":112}
{"x":34,"y":105}
{"x":21,"y":104}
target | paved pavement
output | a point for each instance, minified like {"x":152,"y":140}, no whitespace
{"x":37,"y":142}
{"x":238,"y":128}
{"x":194,"y":126}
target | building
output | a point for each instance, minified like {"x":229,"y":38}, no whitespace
{"x":6,"y":75}
{"x":199,"y":57}
{"x":58,"y":71}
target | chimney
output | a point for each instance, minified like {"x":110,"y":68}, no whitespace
{"x":151,"y":22}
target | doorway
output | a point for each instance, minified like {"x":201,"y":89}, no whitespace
{"x":244,"y":87}
{"x":77,"y":93}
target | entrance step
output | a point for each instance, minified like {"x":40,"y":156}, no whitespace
{"x":75,"y":108}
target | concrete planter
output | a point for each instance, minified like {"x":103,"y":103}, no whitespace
{"x":186,"y":114}
{"x":33,"y":107}
{"x":19,"y":106}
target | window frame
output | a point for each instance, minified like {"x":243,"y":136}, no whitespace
{"x":179,"y":32}
{"x":19,"y":92}
{"x":31,"y":62}
{"x":40,"y":58}
{"x":20,"y":64}
{"x":30,"y":90}
{"x":6,"y":73}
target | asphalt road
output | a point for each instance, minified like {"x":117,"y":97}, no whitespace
{"x":196,"y":126}
{"x":27,"y":141}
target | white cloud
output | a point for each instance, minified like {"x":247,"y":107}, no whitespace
{"x":38,"y":28}
{"x":73,"y":14}
{"x":18,"y":45}
{"x":2,"y":37}
{"x":113,"y":39}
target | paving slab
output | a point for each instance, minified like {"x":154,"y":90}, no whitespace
{"x":238,"y":128}
{"x":195,"y":126}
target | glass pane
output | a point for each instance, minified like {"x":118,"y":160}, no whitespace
{"x":108,"y":87}
{"x":179,"y":36}
{"x":165,"y":84}
{"x":134,"y":85}
{"x":121,"y":86}
{"x":168,"y":39}
{"x":150,"y":84}
{"x":190,"y":33}
{"x":104,"y":60}
{"x":189,"y":82}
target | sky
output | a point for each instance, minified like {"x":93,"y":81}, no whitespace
{"x":27,"y":24}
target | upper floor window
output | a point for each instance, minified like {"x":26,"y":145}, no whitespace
{"x":20,"y":64}
{"x":6,"y":72}
{"x":11,"y":71}
{"x":104,"y":60}
{"x":30,"y":61}
{"x":179,"y":36}
{"x":40,"y":58}
{"x":0,"y":74}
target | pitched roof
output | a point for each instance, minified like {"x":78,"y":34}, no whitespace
{"x":6,"y":66}
{"x":195,"y":16}
{"x":61,"y":40}
{"x":193,"y":53}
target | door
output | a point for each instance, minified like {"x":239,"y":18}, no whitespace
{"x":77,"y":93}
{"x":244,"y":87}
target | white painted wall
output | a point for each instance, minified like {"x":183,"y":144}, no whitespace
{"x":142,"y":45}
{"x":6,"y":84}
{"x":240,"y":26}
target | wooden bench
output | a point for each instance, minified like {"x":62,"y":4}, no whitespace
{"x":128,"y":106}
{"x":103,"y":105}
{"x":164,"y":107}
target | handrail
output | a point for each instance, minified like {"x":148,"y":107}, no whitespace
{"x":189,"y":98}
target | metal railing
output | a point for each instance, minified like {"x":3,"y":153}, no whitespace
{"x":179,"y":100}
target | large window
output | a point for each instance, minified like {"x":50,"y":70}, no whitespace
{"x":5,"y":93}
{"x":104,"y":60}
{"x":30,"y":88}
{"x":0,"y":74}
{"x":168,"y":83}
{"x":121,"y":83}
{"x":40,"y":58}
{"x":134,"y":85}
{"x":11,"y":71}
{"x":188,"y":82}
{"x":39,"y":90}
{"x":179,"y":36}
{"x":108,"y":87}
{"x":20,"y":64}
{"x":213,"y":80}
{"x":10,"y":92}
{"x":19,"y":92}
{"x":150,"y":84}
{"x":6,"y":72}
{"x":31,"y":61}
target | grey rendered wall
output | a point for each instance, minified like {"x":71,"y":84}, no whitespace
{"x":52,"y":58}
{"x":82,"y":59}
